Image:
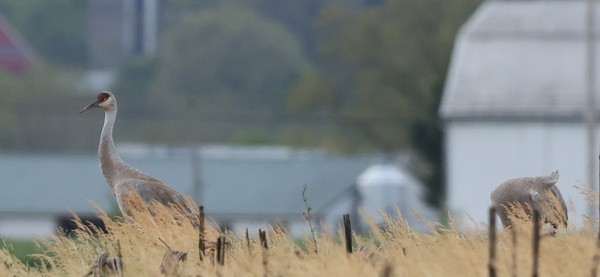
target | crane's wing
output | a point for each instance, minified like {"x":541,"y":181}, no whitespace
{"x":561,"y":201}
{"x":155,"y":191}
{"x":551,"y":206}
{"x":159,"y":192}
{"x":558,"y":205}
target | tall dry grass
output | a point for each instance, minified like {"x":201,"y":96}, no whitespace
{"x":395,"y":249}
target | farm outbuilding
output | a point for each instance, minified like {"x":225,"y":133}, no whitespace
{"x":240,"y":187}
{"x":514,"y":100}
{"x":385,"y":188}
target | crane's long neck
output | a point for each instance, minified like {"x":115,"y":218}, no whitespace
{"x":109,"y":159}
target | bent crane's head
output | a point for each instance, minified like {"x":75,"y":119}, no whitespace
{"x":105,"y":100}
{"x":533,"y":193}
{"x":550,"y":207}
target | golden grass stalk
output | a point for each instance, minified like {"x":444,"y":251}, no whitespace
{"x":391,"y":249}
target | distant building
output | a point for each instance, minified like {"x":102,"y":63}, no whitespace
{"x":15,"y":54}
{"x":514,"y":100}
{"x":240,"y":187}
{"x":385,"y":188}
{"x":119,"y":30}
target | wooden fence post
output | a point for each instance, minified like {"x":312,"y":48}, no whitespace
{"x":492,"y":241}
{"x":348,"y":233}
{"x":201,"y":233}
{"x":536,"y":243}
{"x":248,"y":243}
{"x":262,"y":235}
{"x":221,"y":250}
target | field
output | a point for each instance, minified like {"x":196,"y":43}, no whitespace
{"x":393,"y":250}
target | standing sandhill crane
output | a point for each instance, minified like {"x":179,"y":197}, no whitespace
{"x":124,"y":179}
{"x":532,"y":193}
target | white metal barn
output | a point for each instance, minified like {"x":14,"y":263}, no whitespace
{"x":514,"y":100}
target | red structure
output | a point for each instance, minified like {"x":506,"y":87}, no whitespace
{"x":15,"y":55}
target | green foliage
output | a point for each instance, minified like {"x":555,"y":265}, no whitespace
{"x":377,"y":66}
{"x":426,"y":140}
{"x":183,"y":6}
{"x":10,"y":88}
{"x":229,"y":71}
{"x":37,"y":112}
{"x":253,"y":138}
{"x":134,"y":85}
{"x":56,"y":29}
{"x":22,"y":249}
{"x":426,"y":132}
{"x":312,"y":91}
{"x":380,"y":72}
{"x":229,"y":54}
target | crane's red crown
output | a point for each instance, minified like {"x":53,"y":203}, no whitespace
{"x":103,"y":96}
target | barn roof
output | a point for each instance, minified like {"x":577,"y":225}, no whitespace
{"x":520,"y":60}
{"x":15,"y":53}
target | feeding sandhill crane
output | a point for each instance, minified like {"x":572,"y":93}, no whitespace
{"x":124,"y":179}
{"x":539,"y":193}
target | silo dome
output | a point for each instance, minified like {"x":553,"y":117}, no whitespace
{"x":382,"y":188}
{"x":381,"y":175}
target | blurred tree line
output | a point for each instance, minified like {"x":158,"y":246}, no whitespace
{"x":346,"y":75}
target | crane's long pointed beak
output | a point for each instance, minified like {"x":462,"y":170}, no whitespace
{"x":90,"y":106}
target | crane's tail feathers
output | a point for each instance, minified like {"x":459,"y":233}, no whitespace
{"x":555,"y":175}
{"x":549,"y":181}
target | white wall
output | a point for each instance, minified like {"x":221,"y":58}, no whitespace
{"x":480,"y":156}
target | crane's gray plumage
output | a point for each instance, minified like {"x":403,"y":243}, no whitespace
{"x":539,"y":193}
{"x":124,"y":179}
